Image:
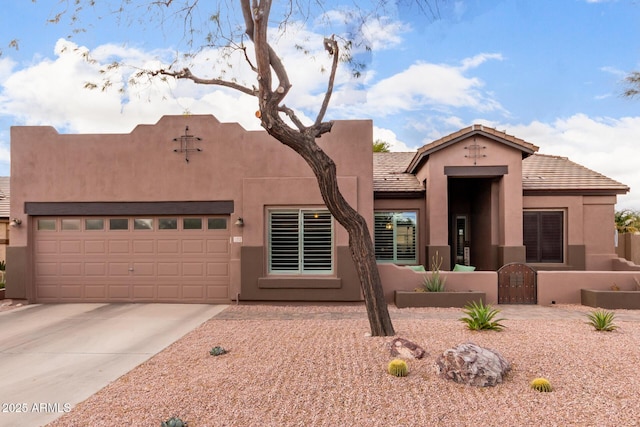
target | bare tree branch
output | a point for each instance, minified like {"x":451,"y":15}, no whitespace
{"x":186,"y":73}
{"x":330,"y":46}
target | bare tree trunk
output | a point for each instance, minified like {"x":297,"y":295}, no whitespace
{"x":360,"y":242}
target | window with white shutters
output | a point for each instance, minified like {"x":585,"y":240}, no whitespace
{"x":300,"y":241}
{"x":395,"y":237}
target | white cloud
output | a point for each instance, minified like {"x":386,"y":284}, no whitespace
{"x":603,"y":144}
{"x":387,"y":135}
{"x":428,"y":85}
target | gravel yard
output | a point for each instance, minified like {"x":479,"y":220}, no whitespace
{"x":315,"y":366}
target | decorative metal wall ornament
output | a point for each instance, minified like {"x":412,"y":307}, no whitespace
{"x":475,"y":151}
{"x":187,"y":144}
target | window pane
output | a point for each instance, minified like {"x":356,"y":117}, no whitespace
{"x":284,"y":241}
{"x":94,"y":224}
{"x":217,"y":223}
{"x":143,"y":224}
{"x":317,"y":241}
{"x":118,"y":224}
{"x":47,"y":224}
{"x":395,"y":237}
{"x":192,"y":224}
{"x":70,"y":224}
{"x":405,"y":228}
{"x":543,"y":236}
{"x":383,"y":236}
{"x":167,"y":223}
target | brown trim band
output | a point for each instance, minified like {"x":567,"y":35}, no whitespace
{"x":129,"y":208}
{"x":476,"y":171}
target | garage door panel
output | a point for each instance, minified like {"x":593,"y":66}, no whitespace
{"x":143,"y":247}
{"x":144,"y":269}
{"x":192,"y":269}
{"x":169,"y":265}
{"x":168,"y":269}
{"x":44,"y":269}
{"x":71,"y":247}
{"x":193,"y":291}
{"x":95,"y":269}
{"x":118,"y":269}
{"x":168,"y":292}
{"x":118,"y":246}
{"x":169,"y":246}
{"x":192,"y":246}
{"x":119,"y":291}
{"x":71,"y":269}
{"x":218,"y":269}
{"x":219,"y":246}
{"x":146,"y":292}
{"x":95,"y":247}
{"x":46,"y":247}
{"x":71,"y":292}
{"x":95,"y":292}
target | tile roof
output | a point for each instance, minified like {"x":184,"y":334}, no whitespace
{"x":4,"y":196}
{"x":389,"y":173}
{"x":540,"y":172}
{"x":423,"y":152}
{"x":545,"y":172}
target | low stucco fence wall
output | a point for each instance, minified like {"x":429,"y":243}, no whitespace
{"x":563,"y":287}
{"x":400,"y":278}
{"x":553,"y":287}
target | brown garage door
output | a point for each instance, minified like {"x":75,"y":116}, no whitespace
{"x":133,"y":259}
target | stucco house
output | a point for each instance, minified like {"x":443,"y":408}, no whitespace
{"x":193,"y":210}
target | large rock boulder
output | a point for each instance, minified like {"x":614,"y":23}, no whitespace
{"x":473,"y":365}
{"x":406,"y":349}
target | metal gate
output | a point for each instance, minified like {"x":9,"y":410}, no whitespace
{"x":517,"y":284}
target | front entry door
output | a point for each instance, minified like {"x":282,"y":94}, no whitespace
{"x":517,"y":284}
{"x":461,"y":250}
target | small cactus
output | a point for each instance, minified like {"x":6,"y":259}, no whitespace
{"x":217,"y":351}
{"x":398,"y":368}
{"x":541,"y":384}
{"x":174,"y":422}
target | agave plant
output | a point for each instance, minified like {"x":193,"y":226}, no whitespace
{"x":602,"y":320}
{"x":481,"y":317}
{"x":435,"y":282}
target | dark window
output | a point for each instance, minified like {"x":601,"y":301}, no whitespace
{"x":543,"y":235}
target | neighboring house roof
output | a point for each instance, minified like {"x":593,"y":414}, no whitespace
{"x":390,"y":178}
{"x":542,"y":172}
{"x":423,"y":153}
{"x":4,"y":196}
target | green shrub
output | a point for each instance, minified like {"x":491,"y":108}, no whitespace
{"x":174,"y":422}
{"x":481,"y":317}
{"x":541,"y":384}
{"x":434,"y":282}
{"x":602,"y":320}
{"x":398,"y":368}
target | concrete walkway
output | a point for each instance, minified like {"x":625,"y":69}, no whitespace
{"x":54,"y":356}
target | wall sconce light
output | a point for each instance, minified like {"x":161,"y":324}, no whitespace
{"x":239,"y":222}
{"x":15,"y":222}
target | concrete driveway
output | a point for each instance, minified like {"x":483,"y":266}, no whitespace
{"x":54,"y":356}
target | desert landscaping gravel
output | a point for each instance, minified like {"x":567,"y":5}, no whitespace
{"x":316,"y":366}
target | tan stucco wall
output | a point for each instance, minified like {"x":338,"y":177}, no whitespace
{"x":249,"y":167}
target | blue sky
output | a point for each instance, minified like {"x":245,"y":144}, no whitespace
{"x":547,"y":71}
